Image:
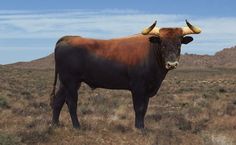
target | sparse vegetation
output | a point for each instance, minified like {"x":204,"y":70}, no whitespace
{"x":192,"y":107}
{"x":8,"y":139}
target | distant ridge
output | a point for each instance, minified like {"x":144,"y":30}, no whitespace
{"x":42,"y":63}
{"x":222,"y":59}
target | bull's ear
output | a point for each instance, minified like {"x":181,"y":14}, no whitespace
{"x":187,"y":39}
{"x":154,"y":39}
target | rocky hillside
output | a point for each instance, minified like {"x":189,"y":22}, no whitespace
{"x":222,"y":59}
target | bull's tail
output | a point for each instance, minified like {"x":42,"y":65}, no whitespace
{"x":53,"y":94}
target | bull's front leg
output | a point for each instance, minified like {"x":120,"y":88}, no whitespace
{"x":140,"y":104}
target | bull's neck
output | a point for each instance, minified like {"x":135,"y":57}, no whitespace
{"x":158,"y":58}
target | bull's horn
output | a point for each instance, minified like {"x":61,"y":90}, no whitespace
{"x":190,"y":29}
{"x":146,"y":31}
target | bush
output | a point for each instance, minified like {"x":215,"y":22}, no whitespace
{"x":222,"y":90}
{"x":3,"y":102}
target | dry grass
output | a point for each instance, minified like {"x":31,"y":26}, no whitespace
{"x":192,"y":107}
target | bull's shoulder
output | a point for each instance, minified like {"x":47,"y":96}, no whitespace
{"x":127,"y":50}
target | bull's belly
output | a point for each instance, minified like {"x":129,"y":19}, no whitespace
{"x":106,"y":80}
{"x":95,"y":85}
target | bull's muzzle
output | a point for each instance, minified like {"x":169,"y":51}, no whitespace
{"x":171,"y":65}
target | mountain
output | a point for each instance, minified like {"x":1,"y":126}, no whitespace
{"x":222,"y":59}
{"x":42,"y":63}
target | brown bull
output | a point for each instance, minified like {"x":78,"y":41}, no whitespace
{"x":138,"y":63}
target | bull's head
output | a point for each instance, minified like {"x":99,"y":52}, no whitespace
{"x":169,"y":41}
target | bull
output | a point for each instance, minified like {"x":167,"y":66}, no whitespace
{"x":137,"y":63}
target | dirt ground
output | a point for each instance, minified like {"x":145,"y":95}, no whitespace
{"x":193,"y":107}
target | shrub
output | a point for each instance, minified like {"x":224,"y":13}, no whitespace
{"x":222,"y":90}
{"x":3,"y":102}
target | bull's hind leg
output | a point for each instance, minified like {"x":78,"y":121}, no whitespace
{"x":71,"y":101}
{"x":58,"y":104}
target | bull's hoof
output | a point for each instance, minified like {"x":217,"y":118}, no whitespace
{"x":139,"y":126}
{"x":77,"y":126}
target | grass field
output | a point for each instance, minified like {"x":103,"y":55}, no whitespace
{"x":193,"y":107}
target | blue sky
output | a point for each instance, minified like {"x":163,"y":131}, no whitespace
{"x":30,"y":28}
